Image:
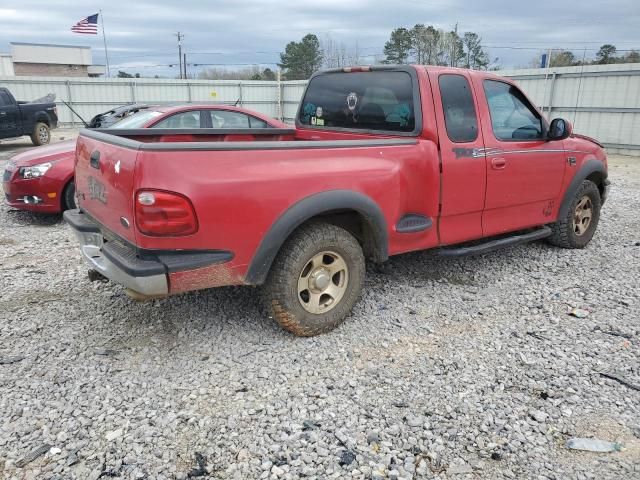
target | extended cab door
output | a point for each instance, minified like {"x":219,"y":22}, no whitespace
{"x":524,"y":171}
{"x":9,"y":116}
{"x":463,"y":178}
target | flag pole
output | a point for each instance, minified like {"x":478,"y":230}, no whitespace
{"x":104,"y":39}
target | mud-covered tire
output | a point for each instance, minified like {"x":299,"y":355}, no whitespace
{"x":69,"y":196}
{"x":566,"y":232}
{"x":282,"y":297}
{"x":41,"y":134}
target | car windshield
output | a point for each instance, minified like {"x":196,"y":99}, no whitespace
{"x":137,"y":120}
{"x":377,"y":100}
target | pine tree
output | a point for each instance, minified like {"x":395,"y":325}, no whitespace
{"x":301,"y":59}
{"x":398,"y":47}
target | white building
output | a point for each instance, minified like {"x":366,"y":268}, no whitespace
{"x":31,"y":59}
{"x":6,"y":65}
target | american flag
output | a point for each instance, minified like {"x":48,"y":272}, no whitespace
{"x":87,"y":25}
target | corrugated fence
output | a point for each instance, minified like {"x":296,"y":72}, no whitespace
{"x":602,"y":101}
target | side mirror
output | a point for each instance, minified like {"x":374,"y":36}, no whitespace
{"x":559,"y":129}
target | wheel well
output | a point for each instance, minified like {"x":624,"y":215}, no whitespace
{"x":357,"y":225}
{"x":598,"y":179}
{"x":43,"y":119}
{"x":353,"y":211}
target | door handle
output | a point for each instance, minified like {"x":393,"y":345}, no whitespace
{"x":498,"y":163}
{"x":3,"y":113}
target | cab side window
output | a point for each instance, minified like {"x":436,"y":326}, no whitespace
{"x":5,"y":101}
{"x":228,"y":119}
{"x":190,"y":119}
{"x":512,"y":116}
{"x":460,"y":116}
{"x":257,"y":123}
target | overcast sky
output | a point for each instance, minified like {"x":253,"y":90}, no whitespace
{"x":140,"y":34}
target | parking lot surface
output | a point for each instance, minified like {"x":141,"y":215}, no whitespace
{"x":467,"y":368}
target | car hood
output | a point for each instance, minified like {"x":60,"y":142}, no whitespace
{"x":46,"y":153}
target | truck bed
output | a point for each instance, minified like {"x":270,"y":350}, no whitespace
{"x":241,"y":183}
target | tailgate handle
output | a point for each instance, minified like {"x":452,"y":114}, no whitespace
{"x":94,"y":159}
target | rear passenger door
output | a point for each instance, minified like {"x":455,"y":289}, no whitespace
{"x":524,"y":171}
{"x":462,"y":156}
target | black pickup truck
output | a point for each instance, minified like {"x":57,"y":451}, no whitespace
{"x":24,"y":118}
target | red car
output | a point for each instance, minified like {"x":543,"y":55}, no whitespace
{"x":41,"y":179}
{"x":385,"y":160}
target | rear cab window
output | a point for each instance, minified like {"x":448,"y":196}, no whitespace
{"x":460,"y":116}
{"x":365,"y":101}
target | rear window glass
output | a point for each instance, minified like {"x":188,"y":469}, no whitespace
{"x":378,"y":100}
{"x":137,"y":120}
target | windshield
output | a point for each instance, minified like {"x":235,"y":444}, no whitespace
{"x":377,"y":100}
{"x":137,"y":120}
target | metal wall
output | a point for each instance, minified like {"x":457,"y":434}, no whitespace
{"x":90,"y":96}
{"x":602,"y":101}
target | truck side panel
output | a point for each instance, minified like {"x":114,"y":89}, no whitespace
{"x":238,"y":195}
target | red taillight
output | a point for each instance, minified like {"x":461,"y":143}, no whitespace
{"x":164,"y":214}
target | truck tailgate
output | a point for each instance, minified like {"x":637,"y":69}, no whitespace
{"x":104,"y":179}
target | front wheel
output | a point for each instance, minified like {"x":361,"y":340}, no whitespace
{"x":315,"y":280}
{"x":41,"y":134}
{"x":69,"y":196}
{"x":579,"y":225}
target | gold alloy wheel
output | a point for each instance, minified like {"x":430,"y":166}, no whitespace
{"x":582,"y":215}
{"x":323,"y":282}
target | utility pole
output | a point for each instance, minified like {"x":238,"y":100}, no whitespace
{"x":184,"y":56}
{"x":180,"y":37}
{"x":454,"y":46}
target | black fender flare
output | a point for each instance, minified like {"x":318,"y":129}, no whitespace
{"x":307,"y":208}
{"x":589,"y":167}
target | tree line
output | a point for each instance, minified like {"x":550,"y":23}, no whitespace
{"x":607,"y":54}
{"x":427,"y":45}
{"x":422,"y":44}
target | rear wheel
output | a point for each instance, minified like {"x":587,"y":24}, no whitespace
{"x":579,"y":225}
{"x":69,"y":196}
{"x":315,"y":280}
{"x":41,"y":134}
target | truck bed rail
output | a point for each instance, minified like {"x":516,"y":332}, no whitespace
{"x":120,"y":138}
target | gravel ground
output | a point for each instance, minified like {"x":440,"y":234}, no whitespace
{"x":465,"y":368}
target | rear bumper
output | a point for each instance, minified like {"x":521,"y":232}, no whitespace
{"x":148,"y":273}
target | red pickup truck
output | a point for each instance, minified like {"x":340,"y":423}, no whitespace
{"x":382,"y":161}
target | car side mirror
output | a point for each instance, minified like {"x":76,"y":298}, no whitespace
{"x":559,"y":129}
